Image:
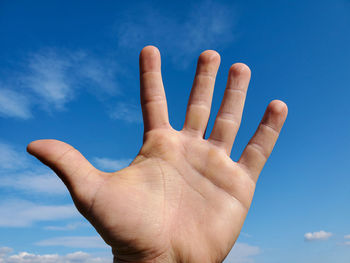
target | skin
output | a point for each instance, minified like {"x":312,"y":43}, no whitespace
{"x":182,"y":199}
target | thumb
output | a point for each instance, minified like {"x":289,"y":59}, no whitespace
{"x":70,"y":165}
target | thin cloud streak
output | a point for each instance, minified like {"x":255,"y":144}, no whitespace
{"x":127,"y":112}
{"x":22,"y":213}
{"x":55,"y":75}
{"x":71,"y":226}
{"x":33,"y":182}
{"x":11,"y":159}
{"x":76,"y":257}
{"x":208,"y":25}
{"x":14,"y":104}
{"x":74,"y":242}
{"x":51,"y":78}
{"x":47,"y":78}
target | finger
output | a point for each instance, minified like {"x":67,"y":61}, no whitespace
{"x":76,"y":172}
{"x":153,"y":101}
{"x":260,"y":146}
{"x":229,"y":117}
{"x":198,"y":109}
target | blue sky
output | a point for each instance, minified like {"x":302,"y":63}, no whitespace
{"x":69,"y":71}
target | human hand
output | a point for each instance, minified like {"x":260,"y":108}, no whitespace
{"x":182,"y":199}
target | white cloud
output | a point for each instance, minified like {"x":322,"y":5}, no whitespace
{"x":10,"y":158}
{"x":76,"y":257}
{"x":47,"y":77}
{"x":14,"y":104}
{"x":242,"y":253}
{"x":22,"y":213}
{"x":74,"y":242}
{"x":208,"y":25}
{"x":4,"y":251}
{"x":245,"y":234}
{"x":111,"y":165}
{"x":128,"y":112}
{"x":34,"y":182}
{"x":99,"y":73}
{"x":347,"y":243}
{"x":321,"y":235}
{"x":51,"y":78}
{"x":71,"y":226}
{"x":55,"y":75}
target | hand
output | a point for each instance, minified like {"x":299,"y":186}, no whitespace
{"x":182,"y":199}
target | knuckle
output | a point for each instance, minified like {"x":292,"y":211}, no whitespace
{"x":159,"y":143}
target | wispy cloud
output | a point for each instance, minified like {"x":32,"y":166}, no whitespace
{"x":11,"y":158}
{"x":320,"y":235}
{"x":47,"y":78}
{"x":14,"y":104}
{"x":242,"y":253}
{"x":51,"y":77}
{"x":22,"y":213}
{"x":70,"y":226}
{"x":111,"y":165}
{"x":208,"y":25}
{"x":243,"y":234}
{"x":48,"y":183}
{"x":74,"y":242}
{"x":25,"y":257}
{"x":347,"y":240}
{"x":55,"y":75}
{"x":127,"y":112}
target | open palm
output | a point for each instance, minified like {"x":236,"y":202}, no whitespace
{"x":182,"y":199}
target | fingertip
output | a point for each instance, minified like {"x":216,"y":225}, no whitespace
{"x":149,"y":59}
{"x":209,"y":56}
{"x":149,"y":52}
{"x":30,"y":147}
{"x":34,"y":146}
{"x":42,"y":147}
{"x":276,"y":114}
{"x":278,"y":107}
{"x":208,"y":63}
{"x":240,"y":69}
